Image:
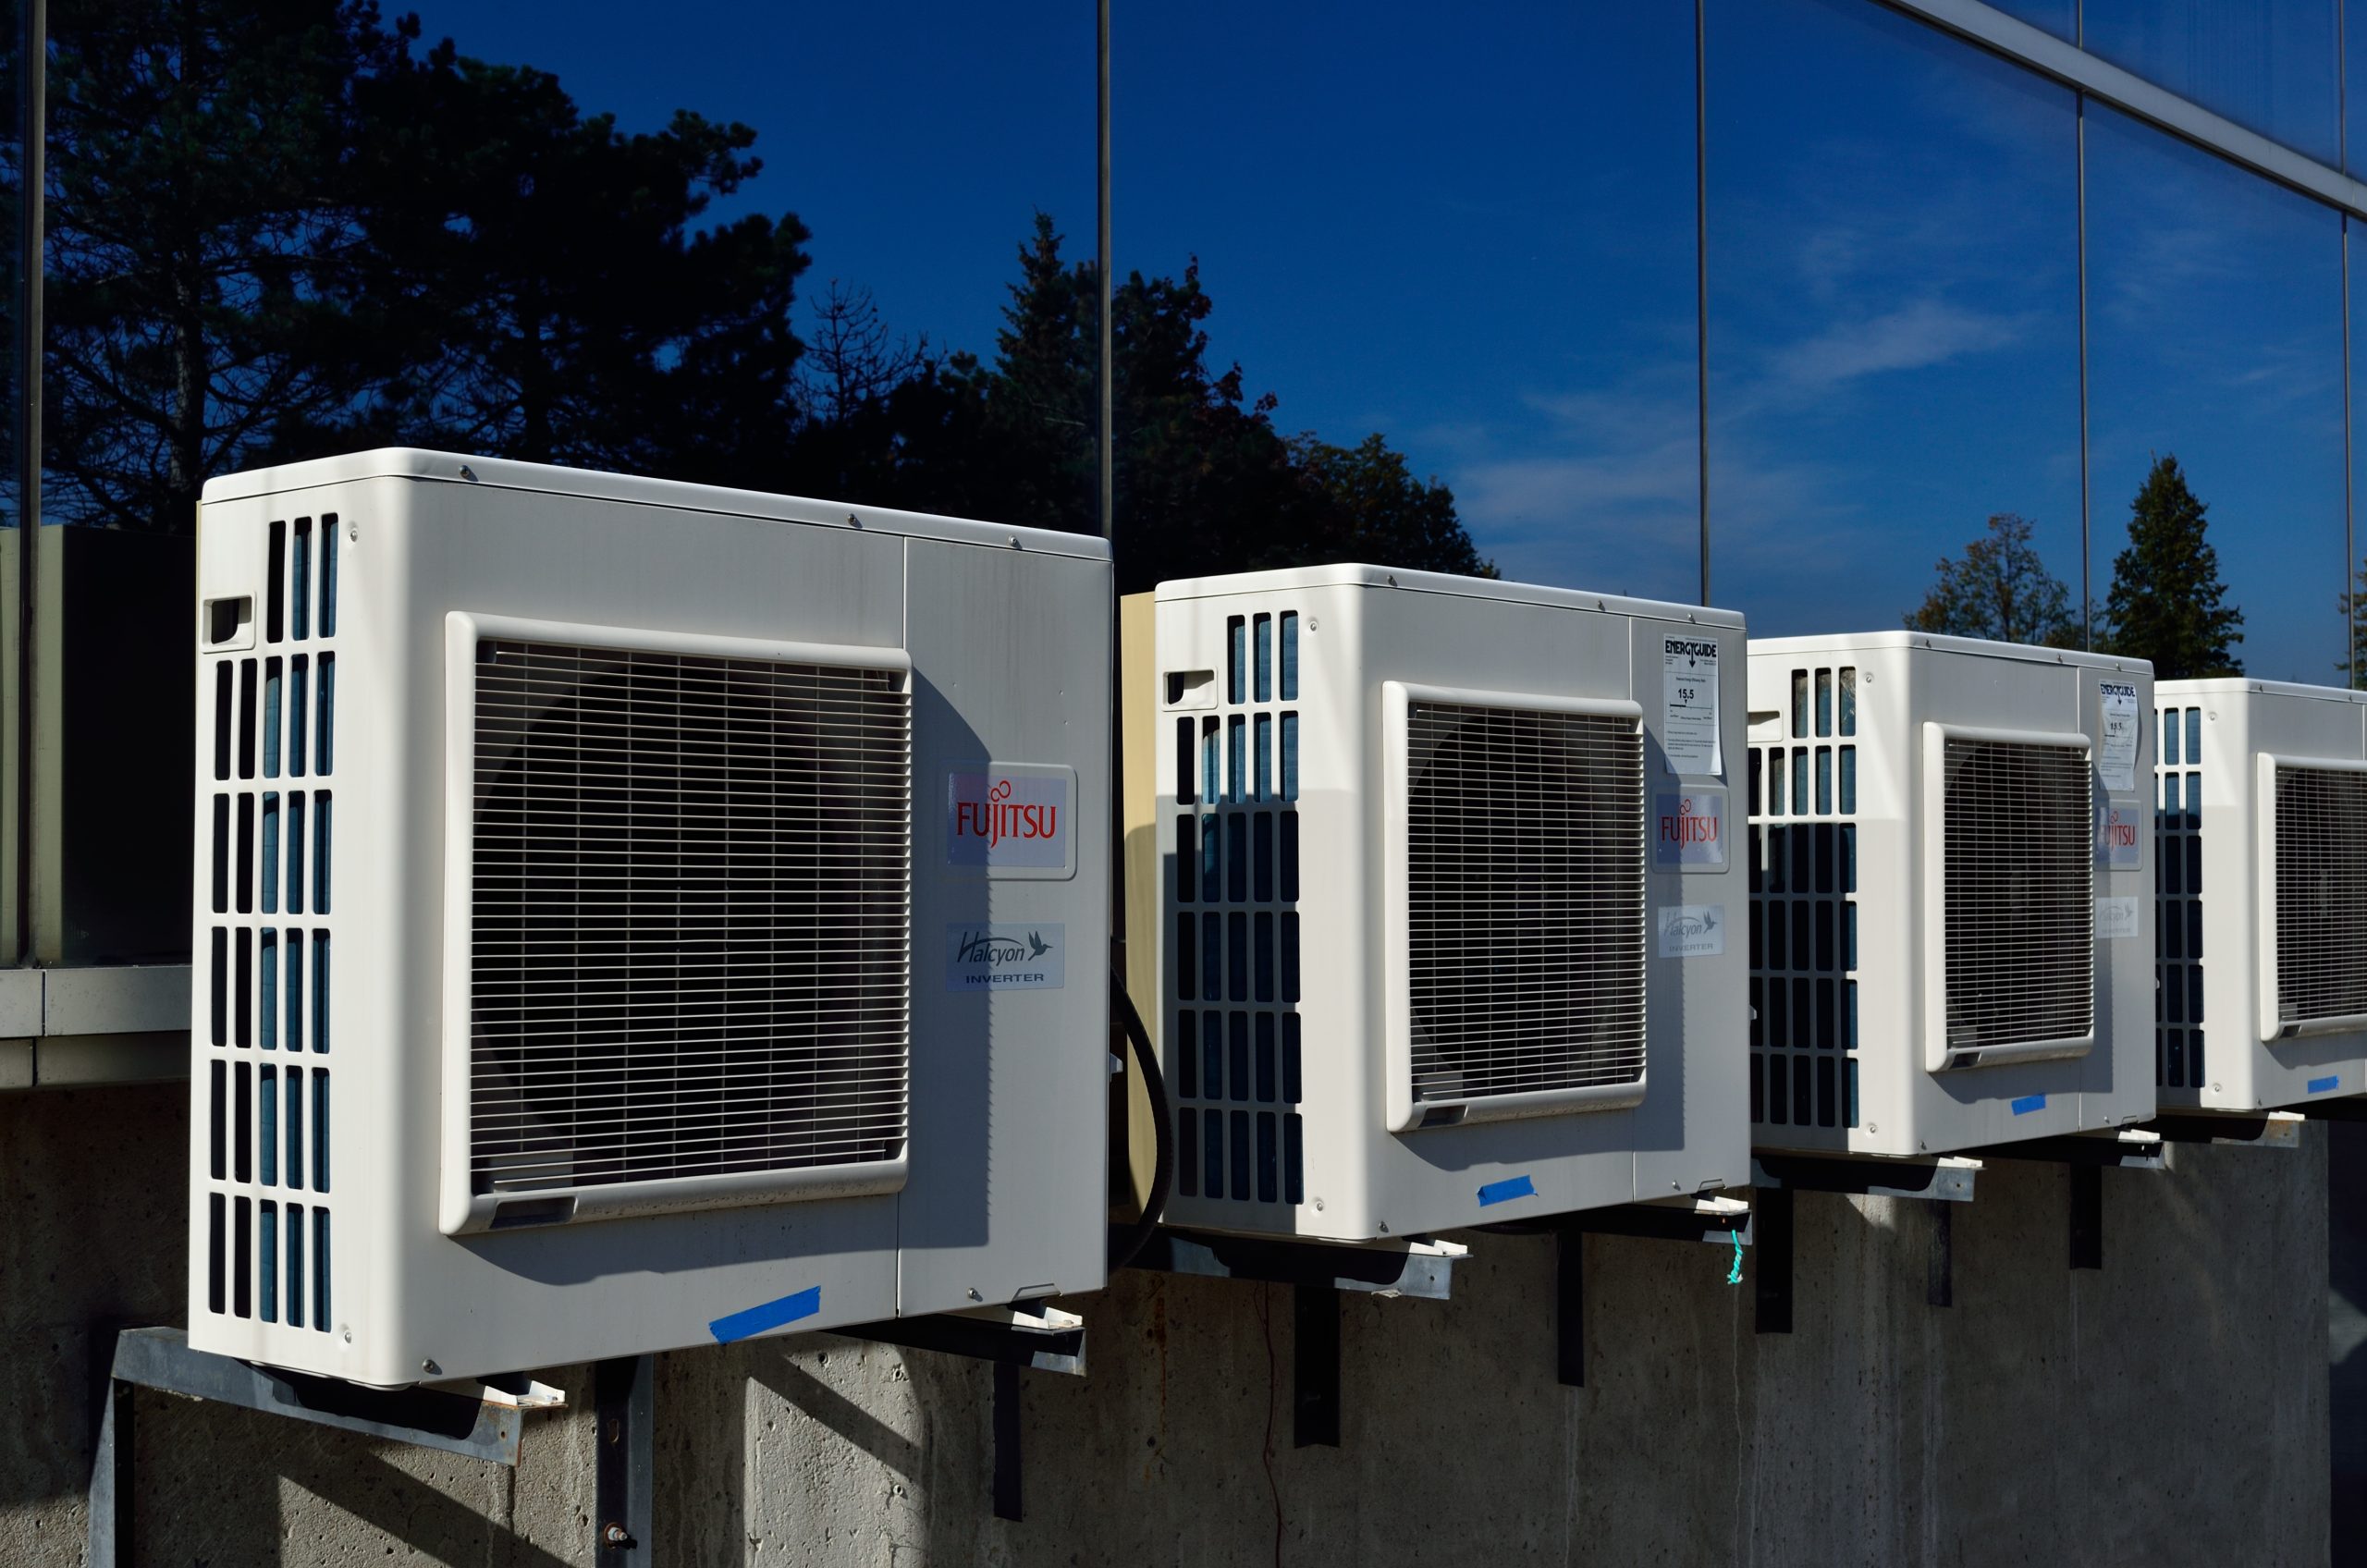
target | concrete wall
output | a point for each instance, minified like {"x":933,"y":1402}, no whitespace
{"x":2172,"y":1409}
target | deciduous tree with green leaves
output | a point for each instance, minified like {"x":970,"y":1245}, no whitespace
{"x":2168,"y":604}
{"x":2000,"y":591}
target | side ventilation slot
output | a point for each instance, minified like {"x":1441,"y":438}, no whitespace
{"x":1233,"y":1018}
{"x":269,"y":721}
{"x":2178,"y":934}
{"x":1803,"y":810}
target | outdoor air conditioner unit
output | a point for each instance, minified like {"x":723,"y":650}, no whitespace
{"x":1951,"y":931}
{"x":630,"y":914}
{"x":1443,"y":924}
{"x":2261,"y":840}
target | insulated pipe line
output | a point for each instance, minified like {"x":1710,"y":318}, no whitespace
{"x":1126,"y":1244}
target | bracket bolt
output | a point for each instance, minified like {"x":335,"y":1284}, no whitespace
{"x":615,"y":1536}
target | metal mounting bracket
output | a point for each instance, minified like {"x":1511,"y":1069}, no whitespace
{"x":476,"y":1420}
{"x":1318,"y":1272}
{"x":2085,"y":1157}
{"x":1024,"y":1335}
{"x":1721,"y":1221}
{"x":624,"y":1462}
{"x":2262,"y":1129}
{"x":1937,"y":1182}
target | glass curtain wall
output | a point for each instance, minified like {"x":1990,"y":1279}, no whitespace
{"x":2214,"y":335}
{"x":1475,"y":236}
{"x":1894,"y":309}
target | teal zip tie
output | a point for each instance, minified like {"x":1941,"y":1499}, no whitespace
{"x":1733,"y":1275}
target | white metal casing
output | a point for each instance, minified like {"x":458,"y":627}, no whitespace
{"x":999,"y":636}
{"x":2223,"y":1042}
{"x":1850,"y":1035}
{"x":1333,"y":1142}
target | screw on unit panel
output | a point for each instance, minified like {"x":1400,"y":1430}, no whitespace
{"x":353,"y":531}
{"x":1384,"y":1229}
{"x":1319,"y":1206}
{"x":468,"y":473}
{"x":430,"y":1367}
{"x":1012,"y":541}
{"x":1313,"y":624}
{"x":853,"y":521}
{"x":348,"y":1333}
{"x":975,"y":1295}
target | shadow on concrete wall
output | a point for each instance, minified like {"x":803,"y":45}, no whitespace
{"x":2170,"y":1409}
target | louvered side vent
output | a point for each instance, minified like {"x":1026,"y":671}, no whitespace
{"x":268,"y":719}
{"x":2020,"y":910}
{"x":1524,"y":882}
{"x":1233,"y":1018}
{"x":1804,"y":908}
{"x":2178,"y":843}
{"x":690,"y":933}
{"x":2321,"y":894}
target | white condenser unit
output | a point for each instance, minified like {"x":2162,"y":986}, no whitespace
{"x":1951,"y":929}
{"x":2261,"y":844}
{"x":631,"y":914}
{"x":1448,"y":917}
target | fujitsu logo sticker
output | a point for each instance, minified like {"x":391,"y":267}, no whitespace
{"x":1689,"y":830}
{"x":1686,"y":826}
{"x":999,"y":815}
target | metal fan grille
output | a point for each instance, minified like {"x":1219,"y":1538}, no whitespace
{"x":692,"y":916}
{"x":1524,"y":881}
{"x":2321,"y":893}
{"x":2021,"y":955}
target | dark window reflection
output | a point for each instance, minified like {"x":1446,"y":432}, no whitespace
{"x":1489,"y":254}
{"x":2268,"y":65}
{"x":1893,"y":336}
{"x":2215,"y":333}
{"x":11,"y":269}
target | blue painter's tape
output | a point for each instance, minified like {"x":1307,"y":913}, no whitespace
{"x":1507,"y":1190}
{"x":2320,"y":1085}
{"x":772,"y":1315}
{"x":2029,"y":1103}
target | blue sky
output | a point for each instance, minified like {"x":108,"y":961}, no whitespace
{"x":1479,"y":240}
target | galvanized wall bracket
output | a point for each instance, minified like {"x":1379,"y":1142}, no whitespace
{"x":1318,"y":1273}
{"x":476,"y":1421}
{"x":1409,"y":1267}
{"x":1937,"y":1183}
{"x":2264,"y":1129}
{"x":2085,"y":1157}
{"x":1722,"y":1221}
{"x":1025,"y":1335}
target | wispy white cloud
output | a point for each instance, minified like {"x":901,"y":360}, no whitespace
{"x":1916,"y":335}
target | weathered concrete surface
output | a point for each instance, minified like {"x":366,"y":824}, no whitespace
{"x":2171,"y":1409}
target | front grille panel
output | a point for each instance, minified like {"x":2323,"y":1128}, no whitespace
{"x":1524,"y":881}
{"x":691,"y":928}
{"x":2321,"y":893}
{"x":2020,"y":913}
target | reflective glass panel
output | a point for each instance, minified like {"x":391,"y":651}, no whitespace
{"x":2060,"y":17}
{"x":2268,"y":65}
{"x":1893,"y":333}
{"x":1471,"y":230}
{"x":2214,"y":335}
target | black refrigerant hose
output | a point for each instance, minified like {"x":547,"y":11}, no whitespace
{"x":1127,"y":1243}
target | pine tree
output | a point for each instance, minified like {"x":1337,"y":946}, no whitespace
{"x":2000,"y":591}
{"x":2353,"y":663}
{"x":2168,"y":604}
